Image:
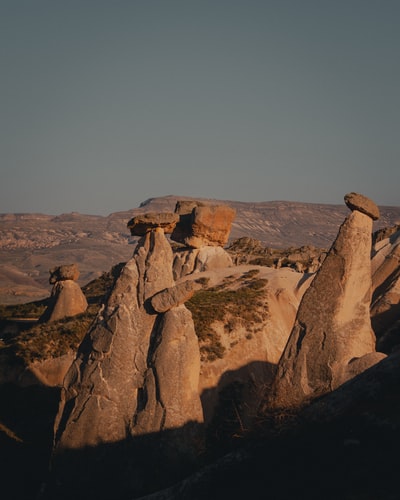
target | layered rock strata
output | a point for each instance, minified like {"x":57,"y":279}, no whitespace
{"x":332,"y":339}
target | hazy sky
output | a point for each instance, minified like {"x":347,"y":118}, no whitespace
{"x":107,"y":103}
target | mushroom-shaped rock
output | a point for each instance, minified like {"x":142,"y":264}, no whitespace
{"x":356,"y":201}
{"x":62,"y":273}
{"x":332,"y":338}
{"x":67,"y":298}
{"x":143,"y":223}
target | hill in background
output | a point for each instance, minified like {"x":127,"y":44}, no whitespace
{"x":30,"y":244}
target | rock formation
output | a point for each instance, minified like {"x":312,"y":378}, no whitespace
{"x":203,"y":225}
{"x":306,"y":259}
{"x":67,"y":298}
{"x":141,"y":224}
{"x":332,"y":339}
{"x":132,"y":391}
{"x":203,"y":230}
{"x":385,"y":307}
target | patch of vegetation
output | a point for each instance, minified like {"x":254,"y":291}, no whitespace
{"x":56,"y":338}
{"x":53,"y":339}
{"x":28,"y":310}
{"x":251,"y":273}
{"x":203,"y":281}
{"x":217,"y":304}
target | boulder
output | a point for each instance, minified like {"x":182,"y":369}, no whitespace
{"x":62,"y":273}
{"x":356,"y":201}
{"x":205,"y":225}
{"x":172,"y":297}
{"x":332,"y":330}
{"x":143,"y":223}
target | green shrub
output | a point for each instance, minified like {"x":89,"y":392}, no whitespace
{"x":244,"y":305}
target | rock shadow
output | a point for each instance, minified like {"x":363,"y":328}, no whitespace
{"x":136,"y":466}
{"x":230,"y":408}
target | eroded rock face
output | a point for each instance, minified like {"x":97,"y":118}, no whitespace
{"x":126,"y":382}
{"x":332,"y":339}
{"x":206,"y":258}
{"x":385,"y":307}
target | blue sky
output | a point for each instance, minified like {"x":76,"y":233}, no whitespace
{"x":107,"y":103}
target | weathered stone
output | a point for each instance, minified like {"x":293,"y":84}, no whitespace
{"x":363,"y":204}
{"x":172,"y":380}
{"x":141,"y":224}
{"x":65,"y":272}
{"x":385,"y":307}
{"x":132,"y":386}
{"x":201,"y":259}
{"x":172,"y":297}
{"x":332,"y":327}
{"x":67,"y":299}
{"x":206,"y":225}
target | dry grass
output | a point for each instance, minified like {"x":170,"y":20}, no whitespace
{"x":48,"y":340}
{"x":243,"y":305}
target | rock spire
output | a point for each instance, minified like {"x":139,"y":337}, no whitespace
{"x":332,"y":339}
{"x":133,"y":387}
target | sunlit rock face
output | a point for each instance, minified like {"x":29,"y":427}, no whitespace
{"x":385,"y":307}
{"x":67,"y":298}
{"x":332,"y":339}
{"x":135,"y":377}
{"x":203,"y":225}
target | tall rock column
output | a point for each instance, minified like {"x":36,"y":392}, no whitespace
{"x":332,"y":339}
{"x":134,"y":379}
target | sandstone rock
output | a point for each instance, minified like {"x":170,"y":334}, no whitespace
{"x":332,"y":327}
{"x":135,"y":378}
{"x":184,"y":262}
{"x":206,"y":225}
{"x":385,"y":307}
{"x":65,"y":272}
{"x":50,"y":372}
{"x":67,"y":299}
{"x":172,"y":379}
{"x":363,"y":204}
{"x":141,"y":224}
{"x":201,"y":259}
{"x":172,"y":297}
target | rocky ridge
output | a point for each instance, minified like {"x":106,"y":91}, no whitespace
{"x":32,"y":243}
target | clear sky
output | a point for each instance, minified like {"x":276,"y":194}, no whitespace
{"x":107,"y":103}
